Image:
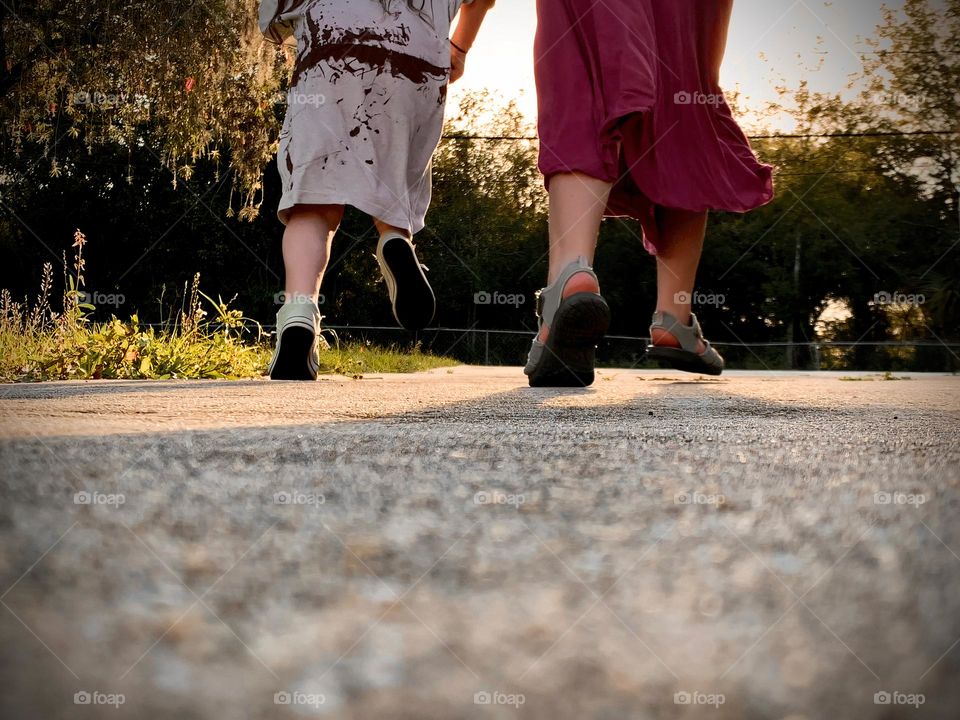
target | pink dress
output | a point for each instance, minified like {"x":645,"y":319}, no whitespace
{"x":625,"y":95}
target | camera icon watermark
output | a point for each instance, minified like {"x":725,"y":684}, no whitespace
{"x":95,"y":697}
{"x":695,"y":697}
{"x":282,"y":298}
{"x":699,"y":498}
{"x":684,"y":97}
{"x":898,"y":298}
{"x":699,"y":298}
{"x":885,"y":697}
{"x":498,"y":298}
{"x":496,"y":697}
{"x":85,"y":497}
{"x":899,"y":498}
{"x":297,"y":497}
{"x":285,"y":697}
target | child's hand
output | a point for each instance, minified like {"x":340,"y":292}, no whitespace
{"x":458,"y":61}
{"x":470,"y":18}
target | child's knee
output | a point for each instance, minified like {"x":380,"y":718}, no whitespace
{"x":331,"y":215}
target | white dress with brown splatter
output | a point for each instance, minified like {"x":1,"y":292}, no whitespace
{"x":365,"y":106}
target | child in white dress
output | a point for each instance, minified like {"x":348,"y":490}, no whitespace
{"x":364,"y":115}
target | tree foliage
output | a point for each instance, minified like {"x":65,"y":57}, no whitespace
{"x":198,"y":74}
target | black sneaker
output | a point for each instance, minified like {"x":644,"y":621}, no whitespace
{"x":298,"y":338}
{"x":410,"y":294}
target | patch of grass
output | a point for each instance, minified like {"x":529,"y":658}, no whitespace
{"x":357,"y":359}
{"x":38,"y":343}
{"x":698,"y":379}
{"x":870,"y":378}
{"x":125,"y":350}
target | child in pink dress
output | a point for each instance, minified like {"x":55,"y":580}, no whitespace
{"x":632,"y":122}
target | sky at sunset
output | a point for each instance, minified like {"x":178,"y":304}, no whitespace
{"x":771,"y":42}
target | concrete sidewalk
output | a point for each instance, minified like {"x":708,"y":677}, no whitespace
{"x":453,"y":544}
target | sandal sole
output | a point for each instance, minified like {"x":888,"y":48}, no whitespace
{"x":292,"y":359}
{"x":679,"y":359}
{"x":568,"y":359}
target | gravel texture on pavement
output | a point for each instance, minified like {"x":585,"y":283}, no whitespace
{"x":454,"y":544}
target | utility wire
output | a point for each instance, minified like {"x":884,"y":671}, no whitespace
{"x":908,"y":133}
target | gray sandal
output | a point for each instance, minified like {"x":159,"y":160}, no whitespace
{"x":576,"y":324}
{"x":685,"y":357}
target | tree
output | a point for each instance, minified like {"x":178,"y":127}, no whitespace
{"x":197,"y":73}
{"x":914,"y":78}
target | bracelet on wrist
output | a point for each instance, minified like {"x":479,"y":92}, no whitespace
{"x":457,"y":47}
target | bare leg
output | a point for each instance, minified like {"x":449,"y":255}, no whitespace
{"x":306,"y":248}
{"x":678,"y":257}
{"x":566,"y":358}
{"x":577,"y":202}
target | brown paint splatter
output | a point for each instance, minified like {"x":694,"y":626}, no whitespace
{"x":369,"y":57}
{"x":363,"y":50}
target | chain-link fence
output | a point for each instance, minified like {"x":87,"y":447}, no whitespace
{"x":509,"y":347}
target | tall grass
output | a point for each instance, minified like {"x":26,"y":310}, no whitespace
{"x":40,"y":343}
{"x":206,"y":338}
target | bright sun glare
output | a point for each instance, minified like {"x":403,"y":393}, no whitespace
{"x":770,"y":44}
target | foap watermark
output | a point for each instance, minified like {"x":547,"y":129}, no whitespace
{"x":697,"y":98}
{"x":485,"y":697}
{"x":298,"y":98}
{"x":699,"y":498}
{"x":498,"y":497}
{"x":95,"y":697}
{"x":297,"y":497}
{"x":98,"y":299}
{"x":105,"y":101}
{"x":695,"y":697}
{"x":285,"y":697}
{"x":85,"y":497}
{"x":899,"y":498}
{"x":898,"y":99}
{"x":699,"y":298}
{"x":895,"y":697}
{"x":498,"y":298}
{"x":282,"y":298}
{"x":899,"y":298}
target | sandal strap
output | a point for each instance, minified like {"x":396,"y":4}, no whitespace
{"x":687,"y":335}
{"x":550,"y":297}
